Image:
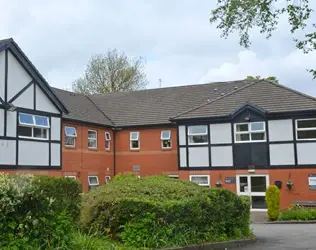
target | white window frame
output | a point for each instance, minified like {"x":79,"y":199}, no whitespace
{"x":72,"y":136}
{"x":173,"y":176}
{"x":107,"y":179}
{"x":95,"y":139}
{"x":198,"y":134}
{"x":89,"y":184}
{"x":71,"y":177}
{"x":297,"y":129}
{"x":107,"y":141}
{"x":165,"y":139}
{"x":202,"y":185}
{"x":34,"y":126}
{"x":250,"y":132}
{"x":131,"y":140}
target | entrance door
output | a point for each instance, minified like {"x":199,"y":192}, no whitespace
{"x":255,"y":187}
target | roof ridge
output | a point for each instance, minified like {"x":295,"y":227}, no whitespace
{"x":217,"y":99}
{"x":99,"y":109}
{"x":290,"y":89}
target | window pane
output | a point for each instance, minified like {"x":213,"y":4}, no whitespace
{"x":198,"y":139}
{"x":166,"y":143}
{"x":134,"y":135}
{"x":201,"y":180}
{"x":201,"y":129}
{"x":93,"y":180}
{"x":25,"y":131}
{"x":107,"y":144}
{"x":257,"y":136}
{"x":134,"y":144}
{"x":41,"y":121}
{"x":257,"y":126}
{"x":70,"y":131}
{"x":258,"y":202}
{"x":243,"y":184}
{"x":242,"y":137}
{"x":309,"y":134}
{"x":92,"y":143}
{"x":242,"y":127}
{"x":40,"y":133}
{"x":306,"y":124}
{"x":107,"y":136}
{"x":258,"y":183}
{"x":165,"y":134}
{"x":92,"y":134}
{"x":26,"y":119}
{"x":70,"y":141}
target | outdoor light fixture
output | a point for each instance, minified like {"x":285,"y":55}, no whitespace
{"x":10,"y":107}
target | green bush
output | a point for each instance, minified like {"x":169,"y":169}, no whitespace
{"x":273,"y":202}
{"x":158,"y":211}
{"x":298,"y":213}
{"x":34,"y":212}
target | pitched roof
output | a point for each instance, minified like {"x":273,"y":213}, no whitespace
{"x":156,"y":106}
{"x":25,"y":61}
{"x":81,"y":108}
{"x":267,"y":96}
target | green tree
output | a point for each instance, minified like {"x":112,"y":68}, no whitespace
{"x":242,"y":15}
{"x":269,"y":78}
{"x":111,"y":72}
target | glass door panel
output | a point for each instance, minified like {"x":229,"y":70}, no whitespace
{"x":258,"y":183}
{"x":243,"y":184}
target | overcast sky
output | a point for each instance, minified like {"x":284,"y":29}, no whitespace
{"x":175,"y":37}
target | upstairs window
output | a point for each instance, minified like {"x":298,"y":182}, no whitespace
{"x":70,"y":136}
{"x":93,"y":182}
{"x":306,"y":129}
{"x":33,"y":126}
{"x":166,"y":139}
{"x":250,"y":132}
{"x":134,"y":140}
{"x":107,"y":141}
{"x":197,"y":134}
{"x":92,"y":139}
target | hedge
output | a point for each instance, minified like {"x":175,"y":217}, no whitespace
{"x":37,"y":212}
{"x":273,"y":202}
{"x":158,"y":211}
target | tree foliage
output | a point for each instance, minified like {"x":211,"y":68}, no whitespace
{"x":111,"y":72}
{"x":241,"y":16}
{"x":269,"y":78}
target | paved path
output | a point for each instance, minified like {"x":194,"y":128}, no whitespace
{"x":287,"y":237}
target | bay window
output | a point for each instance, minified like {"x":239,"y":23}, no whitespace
{"x":306,"y":129}
{"x":250,"y":132}
{"x":197,"y":134}
{"x":33,"y":126}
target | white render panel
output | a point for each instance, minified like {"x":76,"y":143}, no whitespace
{"x":306,"y":153}
{"x":2,"y":73}
{"x":280,"y":130}
{"x":18,"y":78}
{"x":1,"y":122}
{"x":282,"y":154}
{"x":198,"y":157}
{"x":182,"y":135}
{"x":26,"y":99}
{"x":183,"y":157}
{"x":222,"y":156}
{"x":55,"y":128}
{"x":11,"y":123}
{"x":33,"y":153}
{"x":55,"y":154}
{"x":43,"y":103}
{"x":7,"y":152}
{"x":221,"y":133}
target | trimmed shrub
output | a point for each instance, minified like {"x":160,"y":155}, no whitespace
{"x":31,"y":217}
{"x":298,"y":213}
{"x":158,"y":211}
{"x":273,"y":202}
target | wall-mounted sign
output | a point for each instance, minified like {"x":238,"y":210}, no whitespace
{"x":136,"y":168}
{"x":230,"y":180}
{"x":312,"y":181}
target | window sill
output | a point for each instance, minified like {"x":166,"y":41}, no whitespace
{"x":92,"y":149}
{"x":107,"y":150}
{"x":70,"y":147}
{"x":134,"y":149}
{"x":166,"y":149}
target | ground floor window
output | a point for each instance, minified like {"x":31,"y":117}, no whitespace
{"x":93,"y":182}
{"x":71,"y":177}
{"x":173,"y":176}
{"x":201,"y":180}
{"x":255,"y":187}
{"x":107,"y":179}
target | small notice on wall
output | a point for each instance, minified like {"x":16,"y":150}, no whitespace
{"x":312,"y":181}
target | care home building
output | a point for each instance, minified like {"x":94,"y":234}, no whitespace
{"x":240,"y":135}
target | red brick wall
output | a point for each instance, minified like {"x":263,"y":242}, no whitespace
{"x":82,"y":161}
{"x":151,"y":158}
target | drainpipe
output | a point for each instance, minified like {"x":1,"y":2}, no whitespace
{"x":114,"y":149}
